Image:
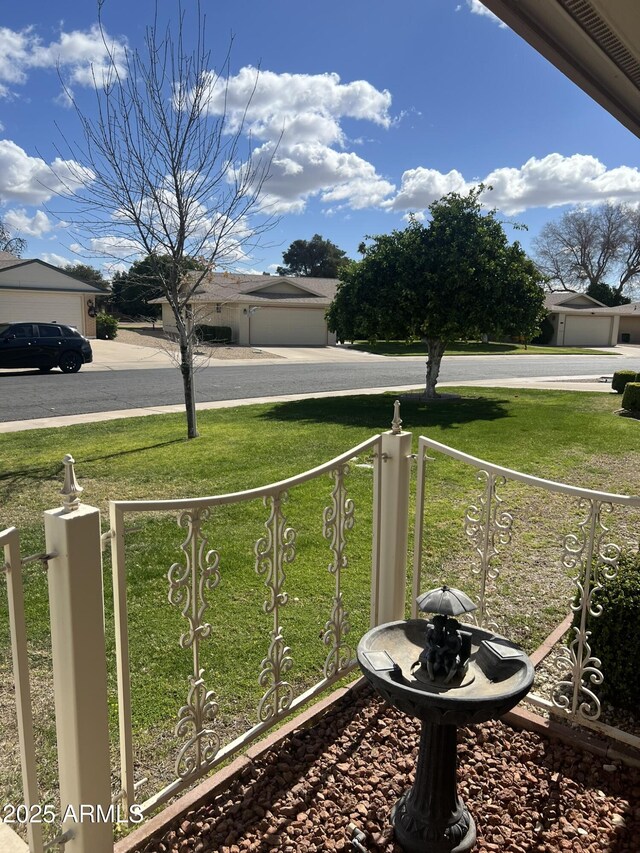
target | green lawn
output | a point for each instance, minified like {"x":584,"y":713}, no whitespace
{"x":574,"y":437}
{"x":417,"y":348}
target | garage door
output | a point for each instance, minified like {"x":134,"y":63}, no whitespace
{"x":288,"y":327}
{"x":587,"y":331}
{"x":36,"y":306}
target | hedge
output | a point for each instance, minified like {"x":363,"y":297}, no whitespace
{"x":631,"y":397}
{"x":615,"y":634}
{"x":622,"y":377}
{"x":215,"y":334}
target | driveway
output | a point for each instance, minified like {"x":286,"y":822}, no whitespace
{"x":115,"y":355}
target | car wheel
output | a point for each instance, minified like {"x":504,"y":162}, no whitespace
{"x":44,"y":369}
{"x":70,"y":362}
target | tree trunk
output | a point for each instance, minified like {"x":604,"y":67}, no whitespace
{"x":436,"y":348}
{"x":186,"y":369}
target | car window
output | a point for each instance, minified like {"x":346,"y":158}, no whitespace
{"x":68,"y":332}
{"x":3,"y":328}
{"x":22,"y":330}
{"x":47,"y":331}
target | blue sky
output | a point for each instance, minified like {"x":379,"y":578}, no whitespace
{"x":386,"y":106}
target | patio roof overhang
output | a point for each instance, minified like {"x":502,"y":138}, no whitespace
{"x":595,"y":43}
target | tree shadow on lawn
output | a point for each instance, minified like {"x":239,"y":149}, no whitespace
{"x":53,"y":470}
{"x":376,"y":412}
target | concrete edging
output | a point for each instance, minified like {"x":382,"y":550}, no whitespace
{"x":222,"y":779}
{"x":518,"y":718}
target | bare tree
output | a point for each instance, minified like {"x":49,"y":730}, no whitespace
{"x":592,"y":248}
{"x":167,"y":170}
{"x":10,"y":243}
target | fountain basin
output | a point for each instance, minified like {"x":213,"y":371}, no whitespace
{"x":430,"y":817}
{"x":499,"y":674}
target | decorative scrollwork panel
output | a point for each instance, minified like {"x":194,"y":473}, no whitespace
{"x":188,"y":585}
{"x":193,"y":719}
{"x":273,"y":552}
{"x":594,"y":559}
{"x":279,"y":693}
{"x":488,"y":527}
{"x":338,"y":518}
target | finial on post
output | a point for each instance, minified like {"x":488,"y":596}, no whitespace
{"x":71,"y":489}
{"x":396,"y":423}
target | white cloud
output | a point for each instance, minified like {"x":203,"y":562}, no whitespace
{"x":114,"y":246}
{"x":30,"y":180}
{"x":84,"y":55}
{"x":478,"y":8}
{"x":31,"y":226}
{"x":549,"y":181}
{"x":55,"y":260}
{"x":80,"y":54}
{"x":307,"y":103}
{"x":421,"y":186}
{"x":301,"y":114}
{"x":14,"y":53}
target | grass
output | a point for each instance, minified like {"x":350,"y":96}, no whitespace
{"x":574,"y":437}
{"x":418,"y":348}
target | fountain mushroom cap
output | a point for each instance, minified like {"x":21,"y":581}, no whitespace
{"x":445,"y":600}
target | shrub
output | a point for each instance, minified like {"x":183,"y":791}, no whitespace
{"x":621,"y":378}
{"x":615,"y":634}
{"x":631,"y":397}
{"x":546,"y":333}
{"x":106,"y":327}
{"x":215,"y":334}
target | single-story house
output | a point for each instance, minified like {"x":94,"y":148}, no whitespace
{"x":580,"y":321}
{"x":261,"y":310}
{"x":32,"y":290}
{"x":629,"y":330}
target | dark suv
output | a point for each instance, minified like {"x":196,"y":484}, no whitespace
{"x":43,"y":345}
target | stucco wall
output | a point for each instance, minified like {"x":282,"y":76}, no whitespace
{"x":207,"y":314}
{"x":630,"y":325}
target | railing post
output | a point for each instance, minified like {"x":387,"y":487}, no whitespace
{"x":394,"y":521}
{"x":79,"y":670}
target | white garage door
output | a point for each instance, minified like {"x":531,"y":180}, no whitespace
{"x":587,"y":331}
{"x":36,"y":306}
{"x":288,"y":327}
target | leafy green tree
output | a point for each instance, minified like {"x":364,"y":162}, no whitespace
{"x":456,"y":278}
{"x":606,"y":294}
{"x":143,"y":281}
{"x":315,"y":258}
{"x":88,"y":274}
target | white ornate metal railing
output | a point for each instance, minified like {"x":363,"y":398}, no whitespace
{"x":195,"y":578}
{"x":13,"y":563}
{"x":589,"y":553}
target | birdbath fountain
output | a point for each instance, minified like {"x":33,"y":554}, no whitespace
{"x":446,"y":675}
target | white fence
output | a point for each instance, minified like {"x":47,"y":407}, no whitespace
{"x":588,"y":553}
{"x":76,"y":597}
{"x":73,"y":556}
{"x":194,"y":579}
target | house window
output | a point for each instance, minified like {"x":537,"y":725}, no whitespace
{"x":218,"y":308}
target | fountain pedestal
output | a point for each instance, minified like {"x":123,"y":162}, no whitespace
{"x":430,"y":817}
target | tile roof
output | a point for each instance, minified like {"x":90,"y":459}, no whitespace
{"x":225,"y":287}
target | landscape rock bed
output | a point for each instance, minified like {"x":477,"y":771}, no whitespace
{"x":527,"y":794}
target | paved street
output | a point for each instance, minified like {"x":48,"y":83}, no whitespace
{"x":27,"y":395}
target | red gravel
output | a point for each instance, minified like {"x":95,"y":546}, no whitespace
{"x":526,"y":793}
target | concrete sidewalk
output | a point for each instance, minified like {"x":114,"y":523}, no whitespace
{"x":567,"y":383}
